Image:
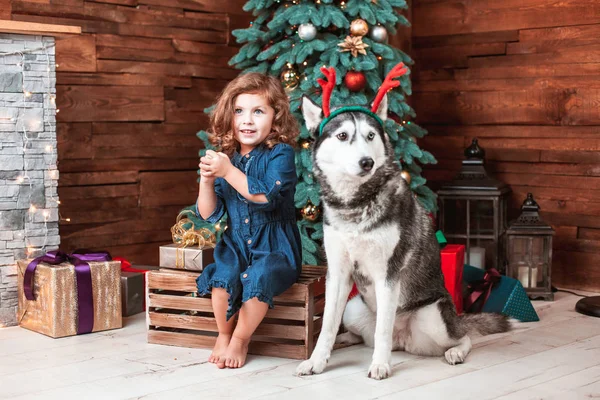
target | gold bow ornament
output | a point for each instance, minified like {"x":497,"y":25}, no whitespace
{"x":183,"y":237}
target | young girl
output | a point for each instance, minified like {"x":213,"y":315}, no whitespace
{"x":253,"y":179}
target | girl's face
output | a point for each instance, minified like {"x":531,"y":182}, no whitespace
{"x":252,"y":121}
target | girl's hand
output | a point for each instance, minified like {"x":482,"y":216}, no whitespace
{"x":215,"y":164}
{"x":206,"y":176}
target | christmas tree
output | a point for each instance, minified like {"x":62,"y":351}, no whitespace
{"x":293,"y":40}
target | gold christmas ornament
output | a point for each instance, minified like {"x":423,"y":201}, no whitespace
{"x":354,"y":45}
{"x":289,"y":78}
{"x":359,"y":27}
{"x":305,"y":144}
{"x":405,"y":175}
{"x":310,"y":212}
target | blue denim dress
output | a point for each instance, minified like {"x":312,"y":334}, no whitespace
{"x":260,"y":253}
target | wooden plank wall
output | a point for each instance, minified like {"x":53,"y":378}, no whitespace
{"x":523,"y":76}
{"x":5,"y":8}
{"x":131,"y":90}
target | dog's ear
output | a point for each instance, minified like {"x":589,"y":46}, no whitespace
{"x":383,"y":109}
{"x":312,"y":113}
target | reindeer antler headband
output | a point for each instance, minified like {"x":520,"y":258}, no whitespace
{"x":328,"y":85}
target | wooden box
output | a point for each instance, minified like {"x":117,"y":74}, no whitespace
{"x":176,"y":316}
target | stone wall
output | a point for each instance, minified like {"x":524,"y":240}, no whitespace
{"x":28,"y":165}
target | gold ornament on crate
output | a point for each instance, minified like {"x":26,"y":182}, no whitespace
{"x":289,"y":78}
{"x":310,"y":212}
{"x":354,"y":45}
{"x":405,"y":175}
{"x":359,"y":27}
{"x":189,"y":237}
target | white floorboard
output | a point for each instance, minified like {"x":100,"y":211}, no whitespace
{"x":556,"y":358}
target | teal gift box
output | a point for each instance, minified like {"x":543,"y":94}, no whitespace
{"x":507,"y":296}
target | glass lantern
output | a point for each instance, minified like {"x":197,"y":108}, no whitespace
{"x":529,"y":251}
{"x":473,"y":211}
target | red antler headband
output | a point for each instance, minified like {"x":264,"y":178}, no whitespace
{"x":328,"y":85}
{"x":388,"y":84}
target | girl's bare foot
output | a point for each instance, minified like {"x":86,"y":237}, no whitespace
{"x":235,"y":356}
{"x":221,"y":346}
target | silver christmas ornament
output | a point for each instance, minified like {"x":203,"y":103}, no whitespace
{"x":307,"y":31}
{"x":379,"y":34}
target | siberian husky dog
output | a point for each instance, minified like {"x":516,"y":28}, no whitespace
{"x":377,"y":235}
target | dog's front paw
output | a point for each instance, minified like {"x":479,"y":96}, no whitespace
{"x":310,"y":367}
{"x":454,"y":356}
{"x":380,"y":371}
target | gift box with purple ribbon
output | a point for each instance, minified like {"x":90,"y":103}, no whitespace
{"x":69,"y":294}
{"x":489,"y":291}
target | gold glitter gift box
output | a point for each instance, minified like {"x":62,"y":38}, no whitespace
{"x":54,"y":312}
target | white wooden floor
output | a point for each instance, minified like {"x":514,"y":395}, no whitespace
{"x":556,"y":358}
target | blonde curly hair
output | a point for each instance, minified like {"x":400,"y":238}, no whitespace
{"x":284,"y":128}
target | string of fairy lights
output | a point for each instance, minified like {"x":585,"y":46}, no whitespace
{"x":23,"y":127}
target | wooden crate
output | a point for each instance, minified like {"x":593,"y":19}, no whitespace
{"x":176,"y":316}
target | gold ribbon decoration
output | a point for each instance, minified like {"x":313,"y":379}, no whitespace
{"x":202,"y":237}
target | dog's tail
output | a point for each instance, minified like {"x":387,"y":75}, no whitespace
{"x":486,"y":323}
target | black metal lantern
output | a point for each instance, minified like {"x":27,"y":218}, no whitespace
{"x":529,"y":251}
{"x":473,"y":211}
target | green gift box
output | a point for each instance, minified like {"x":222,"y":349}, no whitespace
{"x":507,"y":296}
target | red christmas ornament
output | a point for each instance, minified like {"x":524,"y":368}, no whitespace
{"x":355,"y":81}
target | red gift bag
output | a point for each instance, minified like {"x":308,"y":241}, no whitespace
{"x":453,"y":260}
